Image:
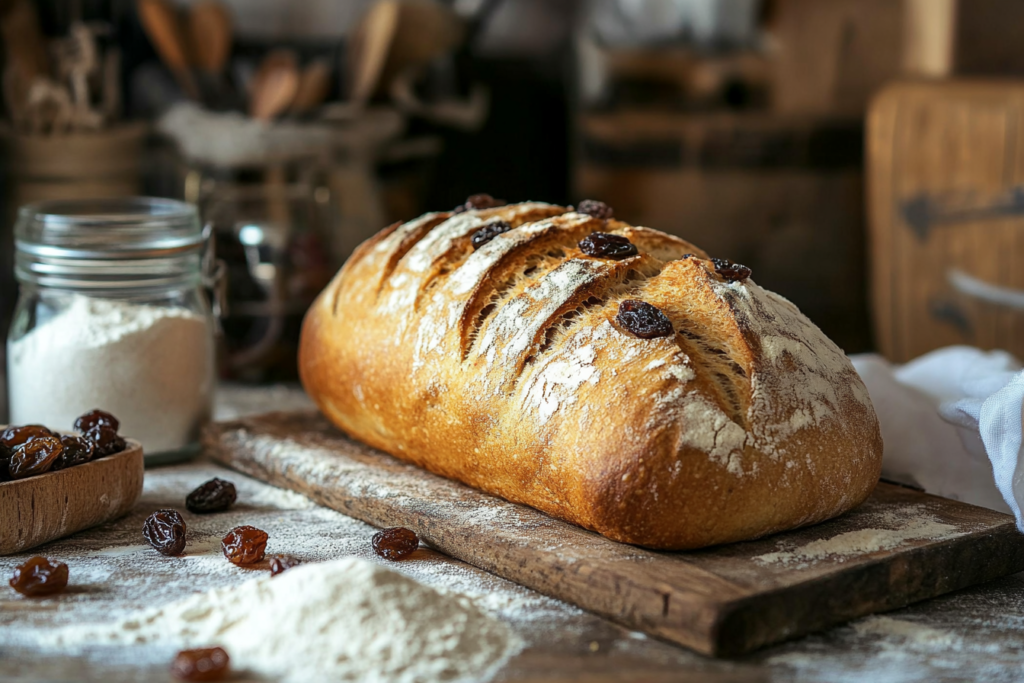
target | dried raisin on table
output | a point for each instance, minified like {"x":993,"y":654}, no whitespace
{"x":606,"y":245}
{"x":105,"y":440}
{"x":280,"y":563}
{"x":203,"y":664}
{"x":39,"y":576}
{"x":488,"y":232}
{"x":77,"y":451}
{"x":731,"y":271}
{"x":244,"y":545}
{"x":479,"y":201}
{"x":12,"y":437}
{"x":643,"y":319}
{"x":395,"y":543}
{"x":165,"y":531}
{"x":35,"y":457}
{"x":94,"y":418}
{"x":215,"y":495}
{"x":595,"y":209}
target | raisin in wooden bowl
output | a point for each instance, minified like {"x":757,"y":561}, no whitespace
{"x":44,"y":507}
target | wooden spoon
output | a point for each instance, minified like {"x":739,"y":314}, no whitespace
{"x":23,"y":40}
{"x":26,"y":58}
{"x":209,"y":25}
{"x":395,"y":35}
{"x":368,"y":50}
{"x":314,"y":84}
{"x":275,"y":85}
{"x":210,"y":34}
{"x":39,"y":509}
{"x":161,"y":23}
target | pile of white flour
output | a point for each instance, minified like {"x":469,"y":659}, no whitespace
{"x":344,"y":620}
{"x":150,"y":366}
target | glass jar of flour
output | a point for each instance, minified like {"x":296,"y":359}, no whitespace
{"x":112,"y":314}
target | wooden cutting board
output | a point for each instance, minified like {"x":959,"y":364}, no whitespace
{"x":899,"y":547}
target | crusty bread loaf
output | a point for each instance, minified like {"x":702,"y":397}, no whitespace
{"x":507,"y":367}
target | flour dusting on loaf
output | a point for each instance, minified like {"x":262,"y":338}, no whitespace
{"x":508,"y":365}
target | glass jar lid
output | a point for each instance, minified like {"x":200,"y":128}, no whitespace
{"x":128,"y":228}
{"x":132,"y":241}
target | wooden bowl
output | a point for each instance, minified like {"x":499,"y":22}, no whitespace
{"x":37,"y":510}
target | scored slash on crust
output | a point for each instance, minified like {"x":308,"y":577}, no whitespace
{"x":513,"y":298}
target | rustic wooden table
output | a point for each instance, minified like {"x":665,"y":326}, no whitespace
{"x":972,"y":635}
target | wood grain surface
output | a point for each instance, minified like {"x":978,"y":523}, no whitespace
{"x":40,"y":509}
{"x":721,"y":601}
{"x":946,"y":216}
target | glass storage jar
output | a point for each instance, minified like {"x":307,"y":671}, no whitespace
{"x":112,"y":313}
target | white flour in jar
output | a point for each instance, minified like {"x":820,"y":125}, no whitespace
{"x":151,"y":366}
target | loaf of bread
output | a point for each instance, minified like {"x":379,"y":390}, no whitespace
{"x":612,"y":376}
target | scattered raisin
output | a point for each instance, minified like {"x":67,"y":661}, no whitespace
{"x":596,"y":209}
{"x":39,"y":576}
{"x":77,"y":451}
{"x":244,"y":545}
{"x":207,"y":664}
{"x":165,"y":531}
{"x":12,"y":437}
{"x":488,"y":232}
{"x":729,"y":270}
{"x":643,"y":319}
{"x":106,"y":441}
{"x":686,"y":256}
{"x":395,"y":543}
{"x":215,"y":495}
{"x":280,"y":563}
{"x":606,"y":245}
{"x":35,"y":457}
{"x":96,"y":417}
{"x":479,"y":201}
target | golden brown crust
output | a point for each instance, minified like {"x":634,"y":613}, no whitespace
{"x":505,"y":368}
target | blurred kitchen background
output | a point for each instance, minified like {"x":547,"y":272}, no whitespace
{"x":862,"y":156}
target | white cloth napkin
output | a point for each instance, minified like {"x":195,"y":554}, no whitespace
{"x":951,"y":423}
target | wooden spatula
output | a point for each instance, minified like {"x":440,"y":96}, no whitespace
{"x":210,"y":35}
{"x":275,"y":85}
{"x":314,"y":84}
{"x":161,"y":23}
{"x":209,"y":27}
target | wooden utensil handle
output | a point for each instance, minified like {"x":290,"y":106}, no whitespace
{"x":187,"y":83}
{"x":997,"y":295}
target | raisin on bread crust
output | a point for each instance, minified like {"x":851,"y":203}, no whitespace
{"x":504,"y":365}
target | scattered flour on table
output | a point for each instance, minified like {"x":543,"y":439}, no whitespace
{"x":908,"y":633}
{"x":897,"y":650}
{"x":151,"y":366}
{"x":343,"y":620}
{"x":895,"y":530}
{"x":282,"y":499}
{"x":238,"y":400}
